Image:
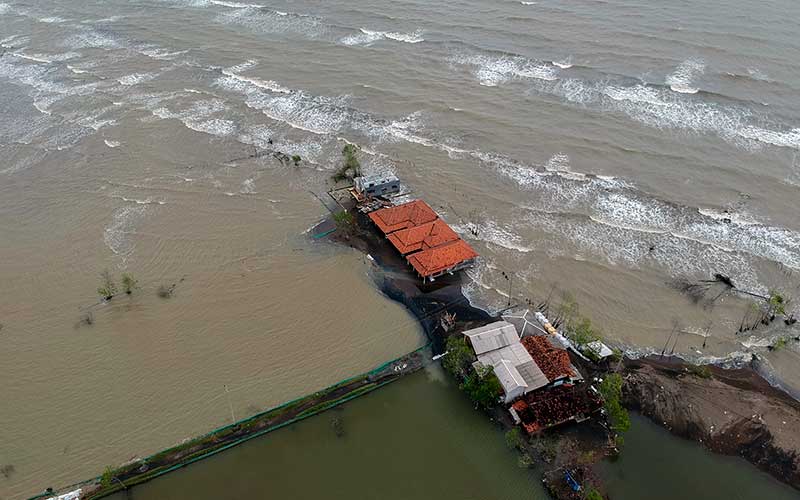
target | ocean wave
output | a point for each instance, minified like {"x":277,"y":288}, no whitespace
{"x":93,"y":39}
{"x":661,"y":108}
{"x":492,"y":233}
{"x":199,"y":117}
{"x":491,"y":70}
{"x":248,"y":187}
{"x":117,"y":235}
{"x":365,"y":37}
{"x":272,"y":86}
{"x":264,"y":20}
{"x":160,"y":53}
{"x":681,"y":80}
{"x":52,"y":20}
{"x":112,"y":144}
{"x":136,"y":78}
{"x":236,"y":5}
{"x":565,"y":63}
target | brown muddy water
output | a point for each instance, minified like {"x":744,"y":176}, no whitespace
{"x":415,"y":438}
{"x":420,"y":438}
{"x":605,"y":148}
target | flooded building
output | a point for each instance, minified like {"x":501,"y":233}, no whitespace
{"x":427,"y":242}
{"x":377,"y":185}
{"x":497,"y":345}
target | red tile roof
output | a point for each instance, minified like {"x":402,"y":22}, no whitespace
{"x":422,"y":237}
{"x":441,"y":258}
{"x":553,"y":362}
{"x":407,"y":215}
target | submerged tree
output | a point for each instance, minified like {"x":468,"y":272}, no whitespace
{"x":350,"y":167}
{"x":459,"y":355}
{"x":107,"y":288}
{"x":129,"y":283}
{"x":483,"y":387}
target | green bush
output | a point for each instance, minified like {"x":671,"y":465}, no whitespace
{"x":458,"y":357}
{"x":514,"y":439}
{"x":107,"y":288}
{"x":129,"y":283}
{"x":701,"y":371}
{"x":611,"y":390}
{"x":483,"y":388}
{"x":350,"y":167}
{"x":592,"y":494}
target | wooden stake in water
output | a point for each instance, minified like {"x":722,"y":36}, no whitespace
{"x":230,"y":405}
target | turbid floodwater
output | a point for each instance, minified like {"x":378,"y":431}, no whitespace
{"x":600,"y":148}
{"x":420,"y":438}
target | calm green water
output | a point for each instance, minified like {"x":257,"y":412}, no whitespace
{"x":658,"y":466}
{"x":417,"y":438}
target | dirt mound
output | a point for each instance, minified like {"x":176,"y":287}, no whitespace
{"x":733,"y":412}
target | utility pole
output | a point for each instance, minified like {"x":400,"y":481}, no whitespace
{"x":509,"y":279}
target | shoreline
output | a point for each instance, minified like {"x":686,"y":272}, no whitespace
{"x":658,"y":388}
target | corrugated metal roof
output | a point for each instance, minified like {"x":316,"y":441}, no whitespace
{"x":509,"y":377}
{"x":492,"y":336}
{"x":439,"y":259}
{"x":533,"y":376}
{"x":424,"y":237}
{"x":520,"y":358}
{"x":411,"y":214}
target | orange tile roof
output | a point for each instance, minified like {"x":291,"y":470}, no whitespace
{"x":553,"y":362}
{"x":422,"y":237}
{"x":411,"y":214}
{"x":441,"y":258}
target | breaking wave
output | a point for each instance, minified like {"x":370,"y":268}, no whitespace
{"x":366,"y":37}
{"x":496,"y":70}
{"x":681,"y":80}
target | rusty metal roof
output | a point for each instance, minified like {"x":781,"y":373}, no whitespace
{"x":412,"y":214}
{"x":441,"y":258}
{"x":424,"y":237}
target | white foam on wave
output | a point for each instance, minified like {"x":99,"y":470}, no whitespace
{"x":757,"y":74}
{"x":366,"y":37}
{"x":492,"y":233}
{"x":52,"y":20}
{"x":112,"y":144}
{"x":93,"y":39}
{"x":5,"y":8}
{"x":529,"y":3}
{"x":248,"y":187}
{"x":76,"y":70}
{"x":496,"y":70}
{"x":118,"y":234}
{"x":662,"y":108}
{"x":32,"y":58}
{"x":565,"y":63}
{"x":14,"y":41}
{"x":263,"y":20}
{"x":161,"y":53}
{"x":236,"y":5}
{"x":681,"y":80}
{"x":136,"y":78}
{"x":198,"y":117}
{"x":272,"y":86}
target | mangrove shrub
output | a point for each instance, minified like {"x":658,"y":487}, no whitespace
{"x":129,"y":283}
{"x":611,"y":390}
{"x":459,"y":355}
{"x":107,"y":288}
{"x":483,"y":388}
